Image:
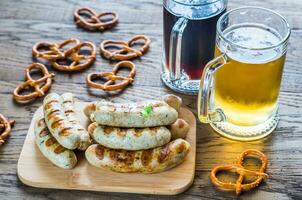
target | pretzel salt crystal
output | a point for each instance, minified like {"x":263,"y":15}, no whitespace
{"x":35,"y":84}
{"x":239,"y":169}
{"x":94,"y":22}
{"x":125,"y":50}
{"x":5,"y":126}
{"x":110,"y":85}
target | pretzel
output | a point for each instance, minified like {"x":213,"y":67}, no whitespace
{"x":54,"y":51}
{"x":111,"y":77}
{"x":5,"y":127}
{"x":94,"y":21}
{"x":39,"y":91}
{"x":239,"y":169}
{"x":125,"y":51}
{"x":78,"y":61}
{"x":58,"y":55}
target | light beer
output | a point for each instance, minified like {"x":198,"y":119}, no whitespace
{"x":246,"y":88}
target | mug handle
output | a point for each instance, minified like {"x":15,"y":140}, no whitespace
{"x":206,"y":111}
{"x":175,"y":48}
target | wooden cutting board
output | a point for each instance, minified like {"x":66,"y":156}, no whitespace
{"x":35,"y":170}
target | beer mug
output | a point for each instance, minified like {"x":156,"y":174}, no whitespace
{"x":189,"y":41}
{"x":239,"y":89}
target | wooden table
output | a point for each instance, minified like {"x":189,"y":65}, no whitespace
{"x":25,"y":22}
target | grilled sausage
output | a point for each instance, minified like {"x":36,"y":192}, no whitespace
{"x":129,"y":138}
{"x":179,"y":129}
{"x":173,"y":101}
{"x":144,"y":161}
{"x":58,"y":123}
{"x":133,"y":115}
{"x":51,"y":149}
{"x":68,"y":105}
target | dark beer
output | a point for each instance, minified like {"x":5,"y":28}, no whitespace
{"x":198,"y":41}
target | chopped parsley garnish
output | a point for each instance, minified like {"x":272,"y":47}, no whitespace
{"x":147,"y":111}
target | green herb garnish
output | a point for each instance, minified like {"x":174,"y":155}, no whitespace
{"x":147,"y":111}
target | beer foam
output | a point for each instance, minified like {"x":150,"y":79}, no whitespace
{"x":253,"y":39}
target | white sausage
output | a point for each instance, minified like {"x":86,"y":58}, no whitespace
{"x":68,"y":105}
{"x":129,"y":138}
{"x":144,"y":161}
{"x":51,"y":149}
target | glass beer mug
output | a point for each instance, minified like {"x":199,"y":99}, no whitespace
{"x":239,"y":89}
{"x":189,"y":41}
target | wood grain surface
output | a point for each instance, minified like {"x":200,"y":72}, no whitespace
{"x":25,"y":22}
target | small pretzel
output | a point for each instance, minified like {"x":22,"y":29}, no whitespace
{"x":29,"y":82}
{"x":54,"y":51}
{"x":5,"y":127}
{"x":111,"y":77}
{"x":239,"y":169}
{"x":57,"y":54}
{"x":78,"y":61}
{"x":94,"y":21}
{"x":125,"y":50}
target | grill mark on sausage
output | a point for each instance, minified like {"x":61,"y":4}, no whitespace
{"x":99,"y":152}
{"x":129,"y":158}
{"x":69,"y":111}
{"x":153,"y":130}
{"x":50,"y":141}
{"x":53,"y":114}
{"x":108,"y":129}
{"x":146,"y":157}
{"x":181,"y":147}
{"x":164,"y":153}
{"x":65,"y":131}
{"x":121,"y":132}
{"x":44,"y":132}
{"x":48,"y":104}
{"x":123,"y":157}
{"x":138,"y":132}
{"x":57,"y":123}
{"x":68,"y":101}
{"x":41,"y":123}
{"x":59,"y":149}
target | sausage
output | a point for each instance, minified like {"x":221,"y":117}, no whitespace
{"x":179,"y":129}
{"x":129,"y":138}
{"x":145,"y":161}
{"x":68,"y":105}
{"x":132,"y":115}
{"x":173,"y":101}
{"x":51,"y":149}
{"x":58,"y":123}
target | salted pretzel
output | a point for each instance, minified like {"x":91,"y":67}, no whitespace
{"x":94,"y":21}
{"x":53,"y":51}
{"x":111,"y":77}
{"x":5,"y":128}
{"x":35,"y":84}
{"x":78,"y":60}
{"x":125,"y":49}
{"x":239,"y":169}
